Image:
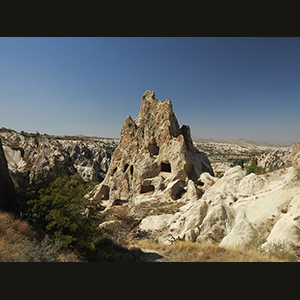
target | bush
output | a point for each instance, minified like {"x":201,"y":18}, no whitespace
{"x":254,"y":168}
{"x":21,"y":242}
{"x":62,"y":210}
{"x":44,"y":251}
{"x":238,"y":162}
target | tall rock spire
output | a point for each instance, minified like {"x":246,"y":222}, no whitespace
{"x":152,"y":152}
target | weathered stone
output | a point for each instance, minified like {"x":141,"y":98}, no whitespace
{"x":207,"y":180}
{"x":7,"y":191}
{"x":29,"y":155}
{"x":153,"y":152}
{"x":192,"y":192}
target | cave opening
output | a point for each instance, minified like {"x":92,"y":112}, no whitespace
{"x":125,"y":167}
{"x":165,"y":167}
{"x":147,"y":188}
{"x":153,"y":148}
{"x":105,"y":192}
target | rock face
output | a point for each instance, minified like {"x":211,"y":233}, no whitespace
{"x":236,"y":210}
{"x":295,"y":155}
{"x":7,"y":191}
{"x":153,"y":154}
{"x":30,"y":155}
{"x":275,"y":159}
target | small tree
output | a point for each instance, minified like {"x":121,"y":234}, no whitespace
{"x":64,"y":212}
{"x":254,"y":168}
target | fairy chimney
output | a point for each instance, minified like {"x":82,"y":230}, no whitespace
{"x":152,"y":152}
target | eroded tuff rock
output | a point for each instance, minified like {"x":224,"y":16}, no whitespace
{"x":274,"y":160}
{"x":236,"y":210}
{"x":153,"y":154}
{"x":30,"y":155}
{"x":7,"y":191}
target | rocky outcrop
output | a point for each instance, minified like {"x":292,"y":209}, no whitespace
{"x":153,"y":155}
{"x":295,"y":155}
{"x":236,"y":210}
{"x":30,"y":155}
{"x":274,"y":160}
{"x":7,"y":191}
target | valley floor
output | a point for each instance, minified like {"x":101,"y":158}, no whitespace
{"x":187,"y":251}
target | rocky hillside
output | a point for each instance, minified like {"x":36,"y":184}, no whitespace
{"x":158,"y":187}
{"x":31,"y":154}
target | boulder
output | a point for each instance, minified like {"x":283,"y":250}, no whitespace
{"x":225,"y":190}
{"x":192,"y":191}
{"x":251,"y":184}
{"x":287,"y":228}
{"x":153,"y":223}
{"x":207,"y":180}
{"x":217,"y":224}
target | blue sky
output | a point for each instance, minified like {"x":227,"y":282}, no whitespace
{"x":223,"y":88}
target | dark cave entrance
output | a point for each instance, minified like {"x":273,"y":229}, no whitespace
{"x":165,"y":167}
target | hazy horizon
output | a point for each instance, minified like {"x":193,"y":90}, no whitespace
{"x":223,"y":88}
{"x":193,"y":137}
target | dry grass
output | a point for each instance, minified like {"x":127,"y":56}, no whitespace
{"x":187,"y":251}
{"x":20,"y":242}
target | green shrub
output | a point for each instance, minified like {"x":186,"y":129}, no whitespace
{"x":254,"y":168}
{"x":238,"y":162}
{"x":62,"y":210}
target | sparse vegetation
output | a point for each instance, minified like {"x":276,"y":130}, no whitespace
{"x":71,"y":219}
{"x":57,"y":205}
{"x":21,"y":242}
{"x":254,"y":168}
{"x":238,"y":162}
{"x":282,"y":252}
{"x":187,"y":251}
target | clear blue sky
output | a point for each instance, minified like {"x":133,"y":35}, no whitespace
{"x":223,"y":88}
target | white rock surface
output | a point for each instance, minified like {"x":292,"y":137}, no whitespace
{"x":237,"y":210}
{"x":155,"y":222}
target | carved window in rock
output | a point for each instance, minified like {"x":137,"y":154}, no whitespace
{"x":153,"y":148}
{"x":131,"y":170}
{"x":165,"y":167}
{"x":125,"y":168}
{"x":105,"y":192}
{"x":119,"y":202}
{"x":147,"y":188}
{"x":113,"y":171}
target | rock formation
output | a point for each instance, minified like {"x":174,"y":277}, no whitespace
{"x":237,"y":210}
{"x":153,"y":155}
{"x":295,"y":155}
{"x":7,"y":191}
{"x":274,"y":160}
{"x":29,"y":155}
